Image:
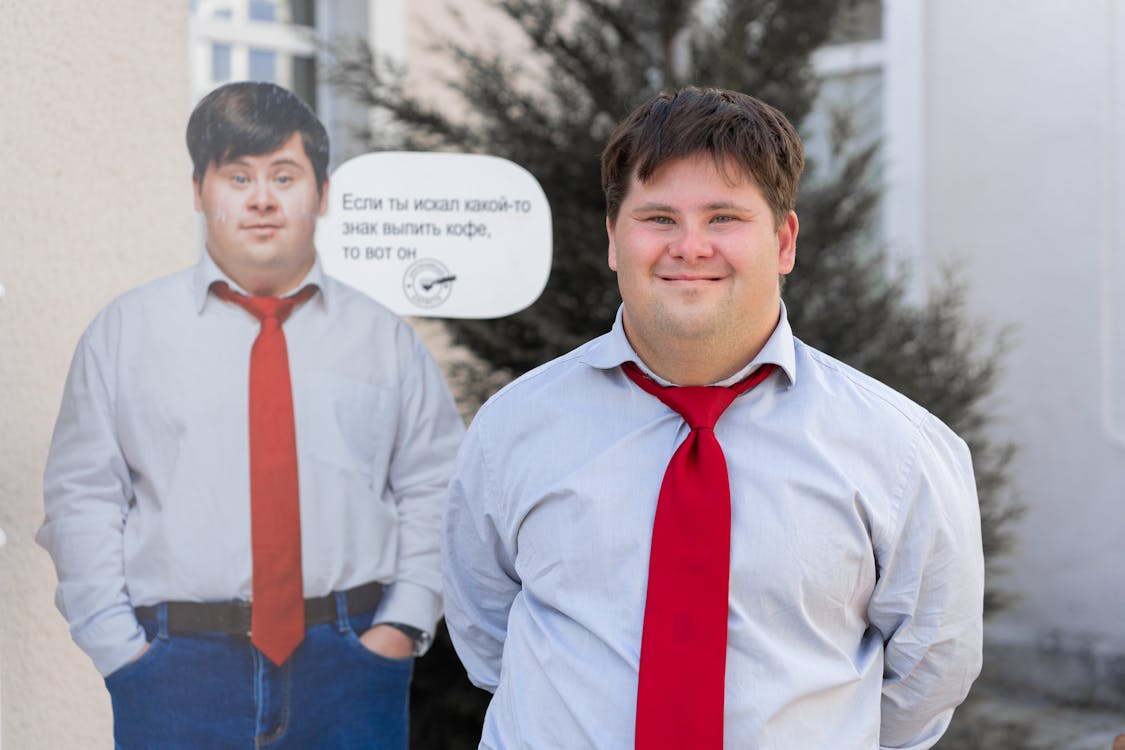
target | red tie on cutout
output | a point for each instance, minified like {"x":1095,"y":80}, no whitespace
{"x":277,"y":615}
{"x":684,"y":646}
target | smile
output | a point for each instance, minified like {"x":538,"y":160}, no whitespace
{"x":261,"y":230}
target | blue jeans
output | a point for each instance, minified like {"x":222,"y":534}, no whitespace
{"x":218,"y":692}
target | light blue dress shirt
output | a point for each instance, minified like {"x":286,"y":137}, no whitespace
{"x":856,"y":567}
{"x":147,"y":485}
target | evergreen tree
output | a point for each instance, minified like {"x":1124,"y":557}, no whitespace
{"x":552,"y":111}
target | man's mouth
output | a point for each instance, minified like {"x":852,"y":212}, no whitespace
{"x":688,"y":278}
{"x":261,"y":230}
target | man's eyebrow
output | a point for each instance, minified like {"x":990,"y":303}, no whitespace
{"x":714,"y":206}
{"x":243,"y":161}
{"x":728,"y":206}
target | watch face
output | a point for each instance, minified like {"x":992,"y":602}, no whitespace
{"x":427,"y":283}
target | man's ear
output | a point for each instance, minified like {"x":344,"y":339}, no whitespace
{"x":612,"y":245}
{"x":197,"y":190}
{"x":787,"y":243}
{"x":323,"y":198}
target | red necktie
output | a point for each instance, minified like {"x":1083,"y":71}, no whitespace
{"x":684,"y":646}
{"x":277,"y":615}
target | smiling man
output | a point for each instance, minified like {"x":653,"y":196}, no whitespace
{"x":696,"y":531}
{"x":245,"y":483}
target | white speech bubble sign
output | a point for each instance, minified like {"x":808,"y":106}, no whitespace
{"x":438,"y":235}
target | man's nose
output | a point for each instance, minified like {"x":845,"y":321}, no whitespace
{"x":691,"y":243}
{"x":261,"y":196}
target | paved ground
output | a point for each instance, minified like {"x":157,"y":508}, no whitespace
{"x":994,"y":720}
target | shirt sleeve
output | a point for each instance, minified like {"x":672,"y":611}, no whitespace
{"x":87,"y":491}
{"x":928,"y":602}
{"x":429,"y":433}
{"x":478,"y":565}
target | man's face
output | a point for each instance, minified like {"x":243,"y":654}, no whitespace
{"x":698,"y":258}
{"x":261,"y":214}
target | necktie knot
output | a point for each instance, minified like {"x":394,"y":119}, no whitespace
{"x":265,"y":309}
{"x":699,"y":405}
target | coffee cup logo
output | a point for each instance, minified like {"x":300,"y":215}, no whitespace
{"x":427,"y":283}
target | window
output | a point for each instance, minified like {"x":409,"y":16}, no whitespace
{"x":220,"y":62}
{"x":263,"y":65}
{"x":860,"y":21}
{"x":263,"y":10}
{"x":302,"y":12}
{"x":847,"y":113}
{"x":258,"y":40}
{"x":303,"y":79}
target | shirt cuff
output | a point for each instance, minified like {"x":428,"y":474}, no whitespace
{"x":111,"y":641}
{"x":412,"y":605}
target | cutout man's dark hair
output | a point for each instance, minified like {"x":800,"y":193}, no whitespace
{"x":252,"y":118}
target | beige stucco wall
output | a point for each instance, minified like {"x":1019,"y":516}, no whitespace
{"x":95,"y":198}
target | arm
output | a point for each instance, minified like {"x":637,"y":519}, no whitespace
{"x":478,"y":565}
{"x":429,"y":432}
{"x":928,"y":601}
{"x":87,"y":490}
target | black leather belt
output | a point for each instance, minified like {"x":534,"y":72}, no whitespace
{"x":234,"y":617}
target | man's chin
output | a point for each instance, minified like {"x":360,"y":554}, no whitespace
{"x":694,"y":328}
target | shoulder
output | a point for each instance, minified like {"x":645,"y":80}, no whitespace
{"x":366,"y":323}
{"x":892,"y":449}
{"x":825,"y":377}
{"x":141,"y":305}
{"x":163,"y":291}
{"x":861,"y":408}
{"x":554,"y":383}
{"x":353,"y":302}
{"x":359,"y":334}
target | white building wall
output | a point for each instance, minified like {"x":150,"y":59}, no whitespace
{"x":95,"y":199}
{"x":1024,"y":181}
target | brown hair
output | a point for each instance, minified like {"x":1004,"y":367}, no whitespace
{"x":731,"y":127}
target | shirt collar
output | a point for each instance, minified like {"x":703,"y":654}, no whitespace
{"x":207,"y":272}
{"x":612,"y":349}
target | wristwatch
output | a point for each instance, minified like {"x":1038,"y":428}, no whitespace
{"x":420,"y":637}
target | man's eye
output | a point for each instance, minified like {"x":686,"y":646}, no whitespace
{"x":661,"y":219}
{"x":239,"y":179}
{"x":722,"y":219}
{"x":284,"y":179}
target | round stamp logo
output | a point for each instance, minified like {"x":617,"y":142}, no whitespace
{"x":427,"y":283}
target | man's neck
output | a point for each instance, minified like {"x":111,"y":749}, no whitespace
{"x":695,"y":363}
{"x":267,"y":282}
{"x":702,"y":361}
